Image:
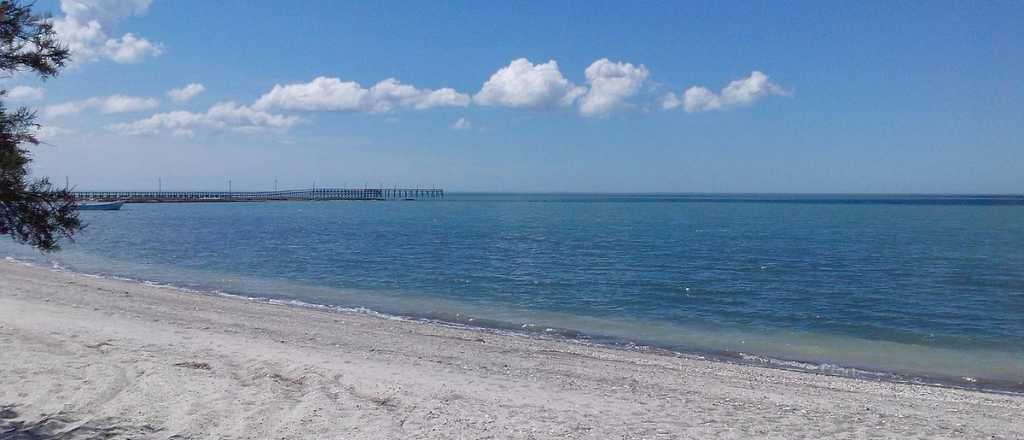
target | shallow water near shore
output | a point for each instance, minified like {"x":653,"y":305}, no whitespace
{"x":920,"y":288}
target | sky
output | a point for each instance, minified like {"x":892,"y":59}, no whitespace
{"x":587,"y":96}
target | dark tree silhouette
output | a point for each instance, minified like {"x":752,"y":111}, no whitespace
{"x":32,"y":211}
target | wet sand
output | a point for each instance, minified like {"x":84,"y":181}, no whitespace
{"x":83,"y":357}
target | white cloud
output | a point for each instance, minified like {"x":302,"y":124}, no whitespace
{"x":224,"y":116}
{"x":231,"y":115}
{"x":85,"y":40}
{"x":701,"y":99}
{"x":121,"y":104}
{"x":523,"y":84}
{"x":741,"y":92}
{"x":185,"y":93}
{"x":321,"y":94}
{"x":108,"y":104}
{"x":333,"y":94}
{"x":176,"y":120}
{"x":105,"y":11}
{"x":48,"y":132}
{"x":462,"y":124}
{"x":610,"y":85}
{"x":130,"y":49}
{"x":387,"y":94}
{"x":25,"y":93}
{"x":670,"y":101}
{"x":84,"y":29}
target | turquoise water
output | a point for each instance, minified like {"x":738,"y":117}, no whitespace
{"x":920,"y":288}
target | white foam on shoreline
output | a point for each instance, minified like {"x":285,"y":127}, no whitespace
{"x":548,"y":333}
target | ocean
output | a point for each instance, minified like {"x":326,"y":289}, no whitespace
{"x":911,"y":288}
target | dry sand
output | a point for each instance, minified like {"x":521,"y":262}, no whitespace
{"x":82,"y":357}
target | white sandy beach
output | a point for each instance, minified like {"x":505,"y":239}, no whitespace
{"x":82,"y":357}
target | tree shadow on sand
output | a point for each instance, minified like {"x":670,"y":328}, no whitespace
{"x":61,"y":427}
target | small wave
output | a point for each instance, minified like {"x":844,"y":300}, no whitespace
{"x":964,"y":382}
{"x":531,"y":330}
{"x":19,"y":262}
{"x":828,"y":368}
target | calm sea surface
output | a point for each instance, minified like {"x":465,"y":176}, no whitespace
{"x":927,"y":288}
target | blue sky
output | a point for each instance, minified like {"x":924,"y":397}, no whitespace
{"x":825,"y":96}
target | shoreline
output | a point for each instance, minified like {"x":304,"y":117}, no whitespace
{"x":61,"y":331}
{"x":576,"y":336}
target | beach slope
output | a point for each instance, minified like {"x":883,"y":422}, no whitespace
{"x":83,"y":357}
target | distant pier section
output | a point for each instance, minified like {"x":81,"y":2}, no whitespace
{"x":257,"y":196}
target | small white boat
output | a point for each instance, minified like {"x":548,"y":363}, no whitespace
{"x":100,"y":206}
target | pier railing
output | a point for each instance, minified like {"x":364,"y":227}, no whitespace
{"x":235,"y":196}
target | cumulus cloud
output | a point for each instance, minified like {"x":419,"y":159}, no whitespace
{"x":84,"y":29}
{"x":611,"y":84}
{"x":25,"y":93}
{"x":130,"y":49}
{"x":224,"y":116}
{"x":108,"y":104}
{"x":185,"y":93}
{"x":741,"y":92}
{"x":462,"y":124}
{"x":701,"y":99}
{"x":321,"y":94}
{"x":390,"y":93}
{"x":670,"y":101}
{"x":333,"y":94}
{"x":523,"y":84}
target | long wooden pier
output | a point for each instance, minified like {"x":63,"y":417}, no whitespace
{"x":251,"y":196}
